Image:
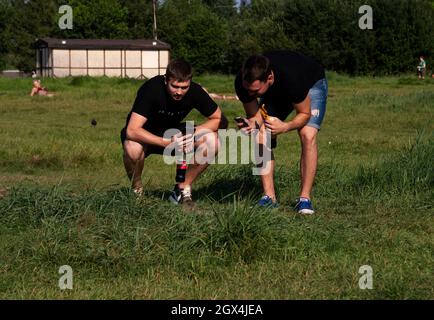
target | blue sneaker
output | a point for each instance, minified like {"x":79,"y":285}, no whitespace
{"x":304,"y":206}
{"x":267,"y":202}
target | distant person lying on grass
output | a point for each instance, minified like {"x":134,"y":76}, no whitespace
{"x":161,"y":104}
{"x":39,"y":90}
{"x":216,"y":96}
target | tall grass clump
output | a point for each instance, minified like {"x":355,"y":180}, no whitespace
{"x":114,"y":228}
{"x":411,"y":171}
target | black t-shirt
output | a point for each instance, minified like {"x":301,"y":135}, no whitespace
{"x":162,"y":112}
{"x":294,"y":75}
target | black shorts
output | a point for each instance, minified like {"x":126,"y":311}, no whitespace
{"x":153,"y":149}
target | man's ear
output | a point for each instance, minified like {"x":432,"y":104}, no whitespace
{"x":271,"y":76}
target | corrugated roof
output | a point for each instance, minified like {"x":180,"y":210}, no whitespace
{"x":139,"y":44}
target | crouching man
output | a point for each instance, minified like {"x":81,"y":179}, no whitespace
{"x":161,"y":104}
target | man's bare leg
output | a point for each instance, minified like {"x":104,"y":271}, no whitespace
{"x":267,"y":172}
{"x":207,"y":149}
{"x":268,"y":180}
{"x":134,"y":158}
{"x":308,"y":160}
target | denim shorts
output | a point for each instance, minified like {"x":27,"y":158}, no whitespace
{"x":318,"y":101}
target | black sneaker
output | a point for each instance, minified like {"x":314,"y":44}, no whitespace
{"x":181,"y":196}
{"x":175,"y":196}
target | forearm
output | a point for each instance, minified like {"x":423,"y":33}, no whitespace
{"x":145,"y":137}
{"x":299,"y":121}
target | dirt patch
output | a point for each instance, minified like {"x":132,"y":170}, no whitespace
{"x":3,"y":193}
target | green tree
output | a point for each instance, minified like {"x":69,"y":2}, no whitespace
{"x":420,"y":24}
{"x":214,"y":36}
{"x":28,"y":21}
{"x":139,"y":18}
{"x":224,"y":8}
{"x":257,"y":28}
{"x":329,"y":30}
{"x":5,"y":13}
{"x":97,"y":19}
{"x":195,"y":33}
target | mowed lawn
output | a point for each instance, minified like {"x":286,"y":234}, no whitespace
{"x":65,"y":200}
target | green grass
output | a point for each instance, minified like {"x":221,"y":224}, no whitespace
{"x":65,"y":200}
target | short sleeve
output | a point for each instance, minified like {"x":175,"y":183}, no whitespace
{"x":202,"y":101}
{"x":144,"y":101}
{"x":296,"y":87}
{"x":299,"y":96}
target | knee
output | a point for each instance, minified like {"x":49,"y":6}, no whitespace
{"x":308,"y":137}
{"x":211,"y":142}
{"x":133,"y":150}
{"x":224,"y":123}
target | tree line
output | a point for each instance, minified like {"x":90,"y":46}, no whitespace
{"x":217,"y":35}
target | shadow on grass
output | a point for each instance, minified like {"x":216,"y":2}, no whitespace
{"x":219,"y":186}
{"x":223,"y":190}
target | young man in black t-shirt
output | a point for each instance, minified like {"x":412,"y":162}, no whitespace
{"x":161,"y":104}
{"x":285,"y":81}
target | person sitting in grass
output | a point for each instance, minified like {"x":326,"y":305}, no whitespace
{"x":39,"y":90}
{"x":217,"y":96}
{"x":161,"y":104}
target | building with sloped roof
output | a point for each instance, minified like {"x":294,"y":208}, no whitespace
{"x":141,"y":58}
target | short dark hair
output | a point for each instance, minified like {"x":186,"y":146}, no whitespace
{"x":179,"y":70}
{"x":256,"y":67}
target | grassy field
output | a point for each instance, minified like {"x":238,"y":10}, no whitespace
{"x":65,"y":200}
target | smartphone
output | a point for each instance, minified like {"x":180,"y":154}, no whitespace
{"x":242,"y":121}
